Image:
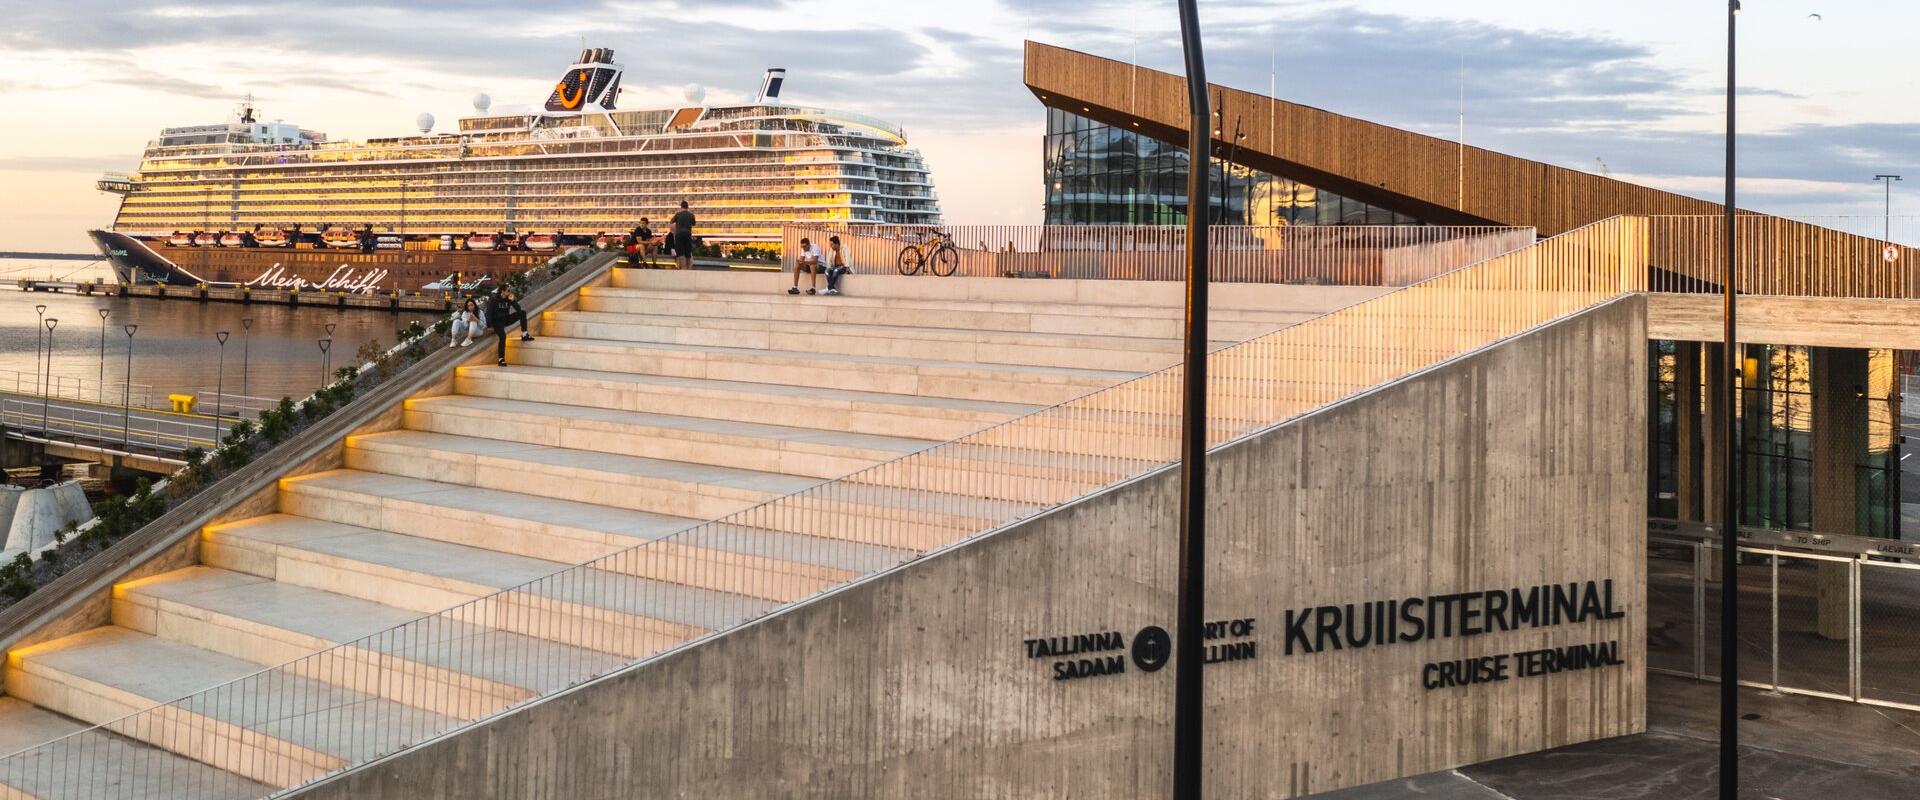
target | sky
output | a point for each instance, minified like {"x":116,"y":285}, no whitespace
{"x":1634,"y":88}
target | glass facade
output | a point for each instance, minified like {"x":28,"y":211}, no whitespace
{"x":1099,"y":174}
{"x":1774,"y":415}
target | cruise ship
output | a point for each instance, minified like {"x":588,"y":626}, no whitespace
{"x":274,"y":205}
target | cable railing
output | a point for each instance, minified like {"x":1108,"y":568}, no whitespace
{"x":1348,"y":255}
{"x":1776,"y":256}
{"x":291,"y":724}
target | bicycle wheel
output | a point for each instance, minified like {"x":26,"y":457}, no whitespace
{"x":945,"y":261}
{"x":909,"y":260}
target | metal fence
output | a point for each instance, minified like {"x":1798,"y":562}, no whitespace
{"x":60,"y":386}
{"x":108,"y":427}
{"x":1353,"y":255}
{"x":296,"y":722}
{"x":1823,"y":615}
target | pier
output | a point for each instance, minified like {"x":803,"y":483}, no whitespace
{"x":387,"y":301}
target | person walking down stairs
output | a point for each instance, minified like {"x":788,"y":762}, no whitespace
{"x":502,"y":311}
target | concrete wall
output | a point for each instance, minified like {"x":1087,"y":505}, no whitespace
{"x":1520,"y":465}
{"x":39,"y":513}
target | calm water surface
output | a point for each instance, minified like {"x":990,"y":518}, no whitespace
{"x":174,"y":349}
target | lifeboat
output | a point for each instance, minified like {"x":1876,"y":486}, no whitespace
{"x":340,"y":237}
{"x":207,"y":239}
{"x":541,"y":241}
{"x":482,"y":241}
{"x":271,"y":237}
{"x":232,"y":240}
{"x":181,"y":240}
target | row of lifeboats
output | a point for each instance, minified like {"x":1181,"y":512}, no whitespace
{"x":345,"y":238}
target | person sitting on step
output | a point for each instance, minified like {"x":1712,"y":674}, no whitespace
{"x":466,"y":322}
{"x":808,"y":261}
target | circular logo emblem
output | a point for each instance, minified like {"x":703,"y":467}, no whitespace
{"x":1891,"y":254}
{"x":1151,"y":648}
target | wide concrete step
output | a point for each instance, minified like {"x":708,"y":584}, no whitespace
{"x":1088,"y":319}
{"x":441,"y":665}
{"x":797,"y":365}
{"x":768,"y":404}
{"x":278,"y":729}
{"x":504,"y":521}
{"x":599,"y":609}
{"x":1117,"y":353}
{"x":1064,"y":291}
{"x":697,"y":491}
{"x":97,"y":762}
{"x":787,"y":449}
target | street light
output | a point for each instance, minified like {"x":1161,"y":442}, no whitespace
{"x":100,"y":389}
{"x":1729,"y":504}
{"x":219,"y":386}
{"x":40,"y":314}
{"x":126,"y":395}
{"x":326,"y":369}
{"x":50,"y":322}
{"x":246,"y":347}
{"x":1888,"y":180}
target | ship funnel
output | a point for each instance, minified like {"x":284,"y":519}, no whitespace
{"x":770,"y":85}
{"x":591,"y":84}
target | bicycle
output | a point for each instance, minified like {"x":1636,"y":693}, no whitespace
{"x":936,"y":249}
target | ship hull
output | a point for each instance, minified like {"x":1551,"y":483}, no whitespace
{"x":154,"y":261}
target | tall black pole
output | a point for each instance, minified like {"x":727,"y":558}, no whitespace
{"x":219,"y":386}
{"x":1188,"y":648}
{"x":1729,"y":503}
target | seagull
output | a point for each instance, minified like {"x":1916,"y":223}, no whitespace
{"x":1817,"y":18}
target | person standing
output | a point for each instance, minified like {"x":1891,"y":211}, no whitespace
{"x":807,"y":261}
{"x":682,"y":237}
{"x":502,"y":311}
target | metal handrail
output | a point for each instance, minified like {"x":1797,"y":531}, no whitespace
{"x":1351,"y":255}
{"x":588,"y":620}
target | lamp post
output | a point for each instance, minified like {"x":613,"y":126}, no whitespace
{"x":126,"y":395}
{"x":100,"y":387}
{"x":40,"y":320}
{"x":219,"y":386}
{"x":326,"y":367}
{"x":1888,"y":214}
{"x":246,"y":347}
{"x":1729,"y":508}
{"x":51,"y":322}
{"x":1190,"y":613}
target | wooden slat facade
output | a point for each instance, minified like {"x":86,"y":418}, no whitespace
{"x":1421,"y":175}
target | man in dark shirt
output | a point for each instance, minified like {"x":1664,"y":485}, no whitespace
{"x":502,"y":311}
{"x":681,"y":238}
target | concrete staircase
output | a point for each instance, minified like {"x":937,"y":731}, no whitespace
{"x":661,"y":401}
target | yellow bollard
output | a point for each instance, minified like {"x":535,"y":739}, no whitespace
{"x":182,"y":403}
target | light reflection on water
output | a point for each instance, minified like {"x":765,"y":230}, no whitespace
{"x":174,"y":348}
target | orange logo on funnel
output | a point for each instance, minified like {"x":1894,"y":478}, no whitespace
{"x":571,"y":100}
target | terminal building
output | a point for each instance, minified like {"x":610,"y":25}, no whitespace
{"x":705,"y":538}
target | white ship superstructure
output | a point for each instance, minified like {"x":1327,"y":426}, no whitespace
{"x":578,"y":168}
